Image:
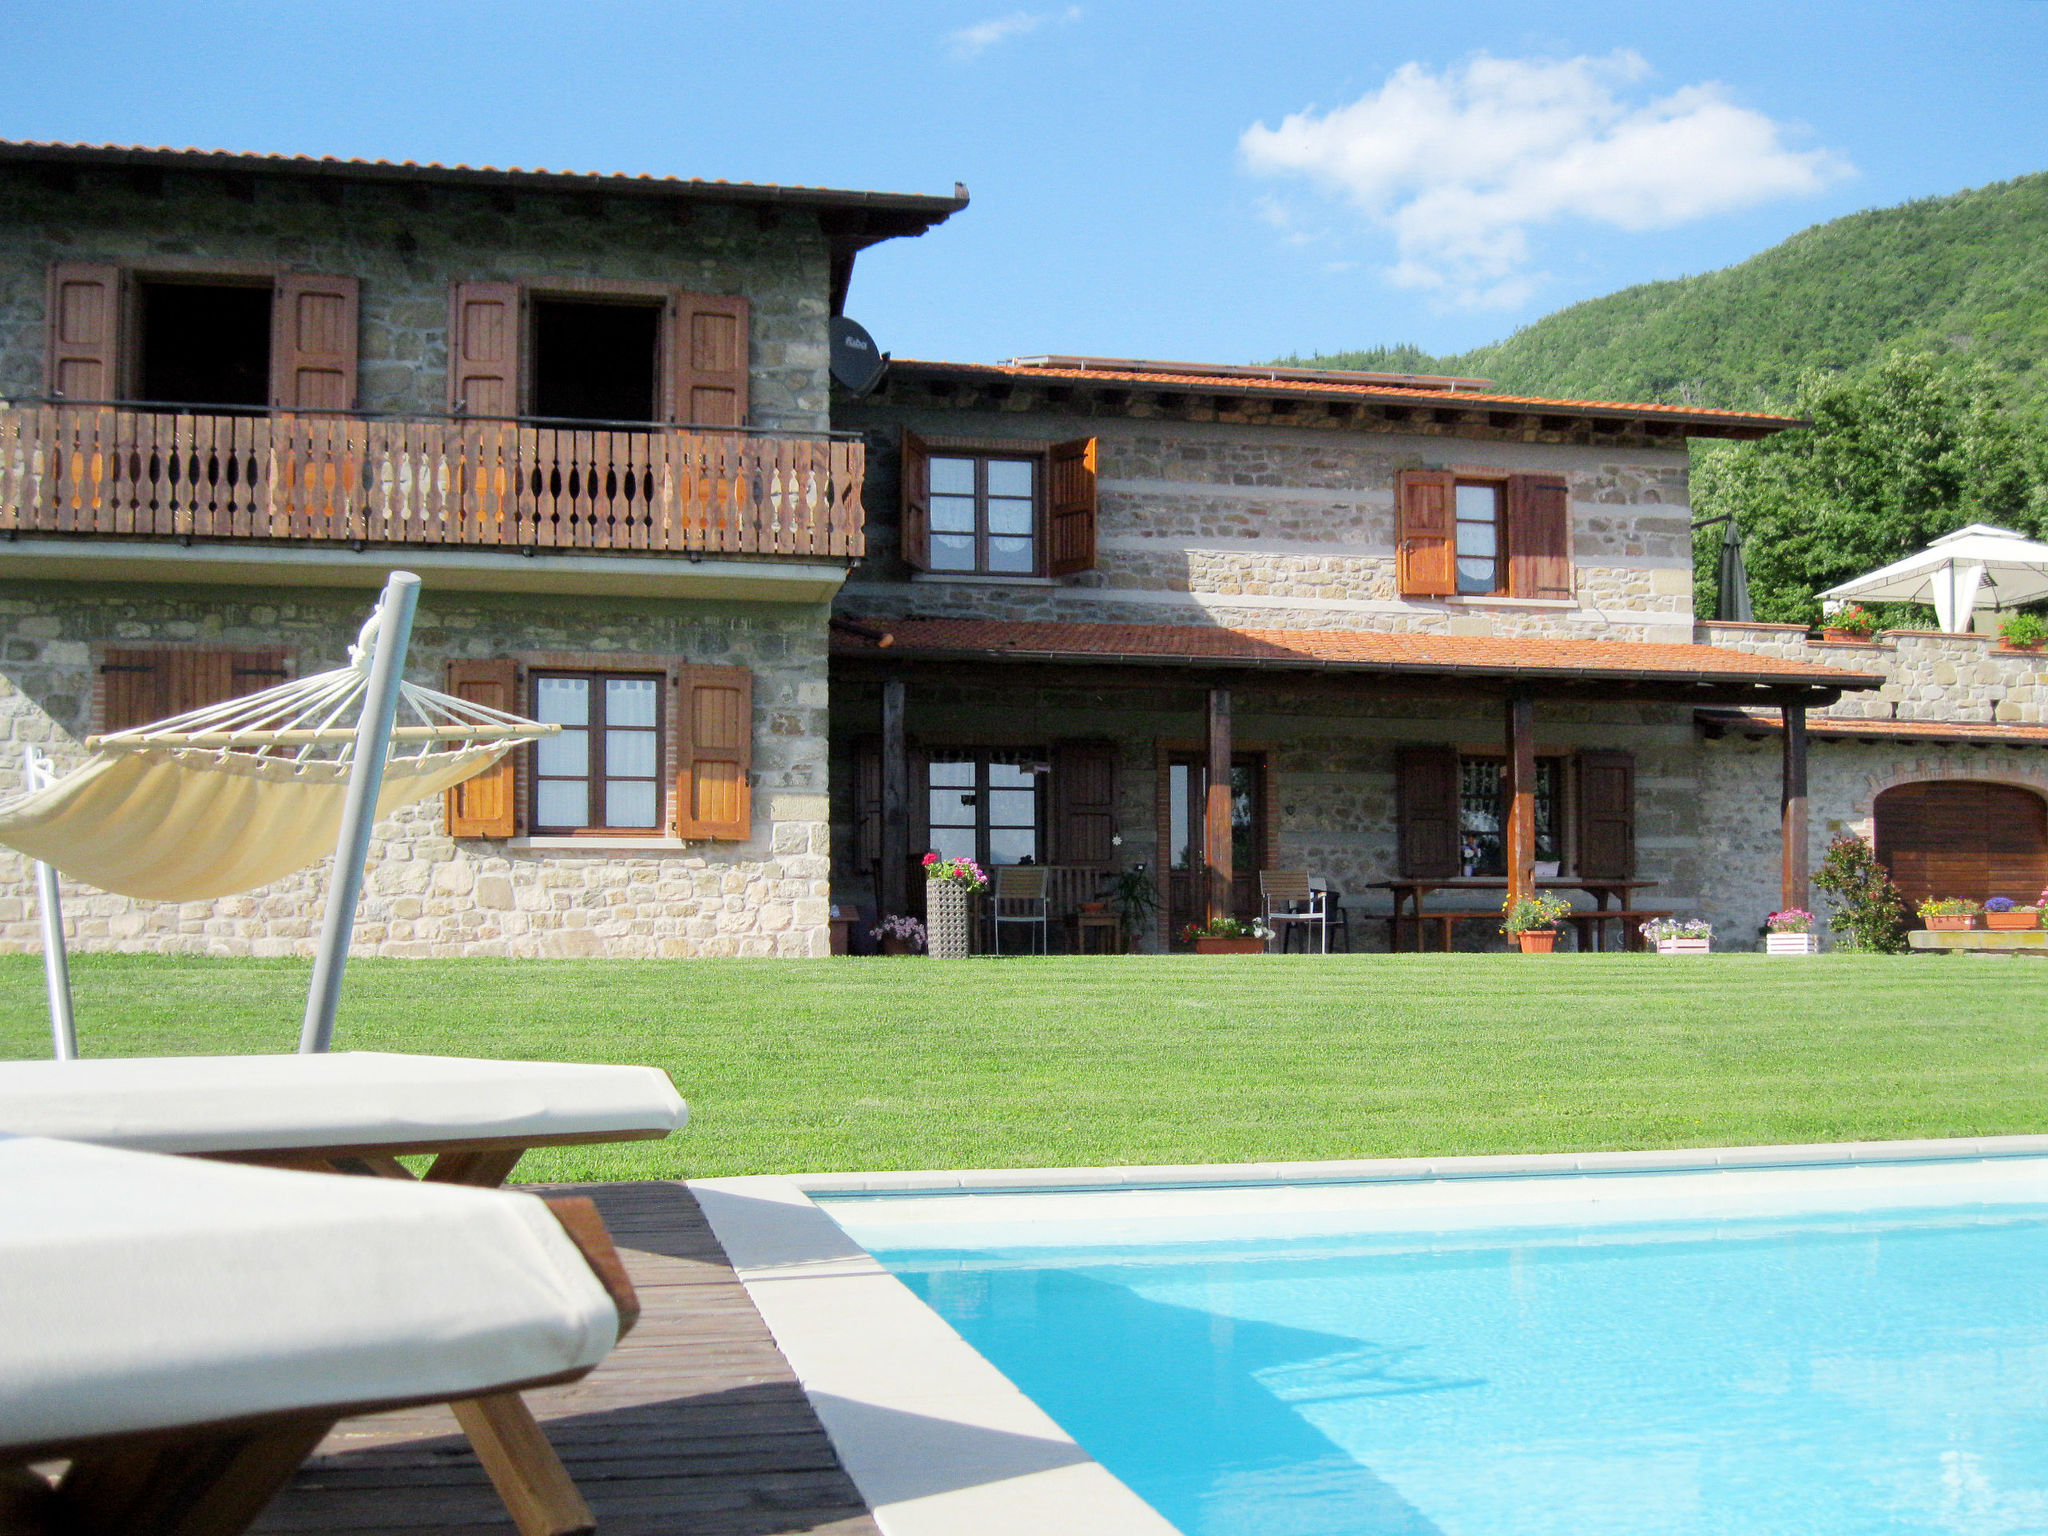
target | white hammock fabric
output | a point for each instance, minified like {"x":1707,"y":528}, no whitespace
{"x":236,"y":795}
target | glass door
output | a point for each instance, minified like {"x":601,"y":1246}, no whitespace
{"x":1187,"y":796}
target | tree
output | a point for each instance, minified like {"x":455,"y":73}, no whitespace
{"x":1899,"y":453}
{"x":1865,"y":909}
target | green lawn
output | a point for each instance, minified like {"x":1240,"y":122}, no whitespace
{"x":812,"y":1065}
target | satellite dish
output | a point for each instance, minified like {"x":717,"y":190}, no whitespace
{"x":857,"y":363}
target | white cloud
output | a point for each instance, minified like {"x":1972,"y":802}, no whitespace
{"x":971,"y":42}
{"x":1460,"y":166}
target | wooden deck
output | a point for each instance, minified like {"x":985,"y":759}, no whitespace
{"x":694,"y":1425}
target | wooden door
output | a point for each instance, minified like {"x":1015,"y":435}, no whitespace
{"x":1956,"y":838}
{"x":1187,"y":791}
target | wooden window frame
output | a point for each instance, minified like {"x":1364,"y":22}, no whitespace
{"x":594,"y":776}
{"x":982,"y":752}
{"x":1039,"y":457}
{"x":1498,"y":484}
{"x":1563,"y":827}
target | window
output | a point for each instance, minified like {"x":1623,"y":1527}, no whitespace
{"x":603,"y":773}
{"x":596,"y":361}
{"x":204,"y":344}
{"x":985,"y":804}
{"x":1479,"y":538}
{"x":984,"y":514}
{"x":1483,"y":814}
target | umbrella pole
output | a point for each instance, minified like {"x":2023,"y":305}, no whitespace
{"x":50,"y":908}
{"x":359,"y":810}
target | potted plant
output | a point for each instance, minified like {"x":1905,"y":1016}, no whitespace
{"x":1679,"y":935}
{"x":948,"y":884}
{"x":1136,"y":898}
{"x":1948,"y":914}
{"x":1531,"y":921}
{"x":1790,"y":932}
{"x":1849,"y":622}
{"x":899,"y":934}
{"x":2022,"y":632}
{"x":1227,"y":936}
{"x":2004,"y":915}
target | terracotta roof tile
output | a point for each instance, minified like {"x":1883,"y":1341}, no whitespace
{"x":1337,"y":388}
{"x":1360,"y":650}
{"x":1847,"y":727}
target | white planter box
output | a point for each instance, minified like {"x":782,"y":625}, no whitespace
{"x":1791,"y":943}
{"x":1684,"y":946}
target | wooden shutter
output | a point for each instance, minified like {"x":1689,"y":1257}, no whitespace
{"x":83,"y":355}
{"x":867,"y":802}
{"x":483,"y":349}
{"x":1607,"y":815}
{"x":1539,"y":536}
{"x":141,"y":687}
{"x":1084,"y":804}
{"x":707,"y":360}
{"x":486,"y":805}
{"x":1426,"y":532}
{"x":313,"y":343}
{"x":1426,"y":812}
{"x":714,"y":753}
{"x":914,"y":476}
{"x":1070,"y":508}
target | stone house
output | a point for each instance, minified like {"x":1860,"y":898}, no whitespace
{"x":592,"y":412}
{"x":1425,"y":634}
{"x":1087,"y":613}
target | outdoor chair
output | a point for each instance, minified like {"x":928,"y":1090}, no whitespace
{"x":184,"y":1333}
{"x":1018,"y":898}
{"x":358,"y":1112}
{"x":1292,"y":901}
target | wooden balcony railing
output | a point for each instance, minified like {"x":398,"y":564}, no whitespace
{"x":127,"y":472}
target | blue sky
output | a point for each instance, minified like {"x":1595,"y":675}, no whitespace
{"x":1194,"y":180}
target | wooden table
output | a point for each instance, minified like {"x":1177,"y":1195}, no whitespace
{"x":1108,"y":924}
{"x":1409,"y":896}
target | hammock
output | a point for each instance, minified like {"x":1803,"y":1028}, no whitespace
{"x":236,"y":795}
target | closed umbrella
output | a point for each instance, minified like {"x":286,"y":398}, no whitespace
{"x":1732,"y":603}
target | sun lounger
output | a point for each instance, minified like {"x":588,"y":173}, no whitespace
{"x":185,"y":1332}
{"x":359,"y":1111}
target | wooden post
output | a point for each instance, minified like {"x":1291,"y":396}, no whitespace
{"x":1792,"y":809}
{"x":895,"y":892}
{"x":1216,"y":838}
{"x":1518,"y":789}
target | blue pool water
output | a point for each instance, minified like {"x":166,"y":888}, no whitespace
{"x":1840,"y":1357}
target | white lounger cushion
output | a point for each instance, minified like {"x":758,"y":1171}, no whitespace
{"x":145,"y":1292}
{"x":346,"y":1099}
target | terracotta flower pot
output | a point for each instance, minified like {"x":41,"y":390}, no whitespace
{"x":2031,"y":650}
{"x":897,"y":947}
{"x":1951,"y":922}
{"x":1839,"y":635}
{"x":1230,"y":946}
{"x":2011,"y":922}
{"x":1094,"y":908}
{"x":1537,"y":941}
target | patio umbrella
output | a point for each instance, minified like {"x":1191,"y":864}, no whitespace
{"x":1974,"y":567}
{"x":1732,"y":601}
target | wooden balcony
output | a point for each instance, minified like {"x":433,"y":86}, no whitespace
{"x":138,"y":473}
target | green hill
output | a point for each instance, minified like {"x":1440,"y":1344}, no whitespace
{"x":1966,"y":274}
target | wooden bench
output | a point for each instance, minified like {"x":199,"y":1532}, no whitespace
{"x":1591,"y":926}
{"x":1446,"y":923}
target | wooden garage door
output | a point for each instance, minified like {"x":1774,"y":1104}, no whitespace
{"x":1957,"y":839}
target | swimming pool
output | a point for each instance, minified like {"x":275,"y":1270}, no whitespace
{"x":1801,"y":1351}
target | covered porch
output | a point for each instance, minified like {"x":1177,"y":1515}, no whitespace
{"x":1423,"y":778}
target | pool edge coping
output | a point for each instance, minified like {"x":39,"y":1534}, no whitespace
{"x":1006,"y":1469}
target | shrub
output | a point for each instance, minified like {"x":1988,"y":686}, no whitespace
{"x":2023,"y":629}
{"x":1866,"y":909}
{"x":1948,"y":906}
{"x":1791,"y":920}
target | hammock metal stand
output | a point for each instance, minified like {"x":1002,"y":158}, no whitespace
{"x":260,"y":751}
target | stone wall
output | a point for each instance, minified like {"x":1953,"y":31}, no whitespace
{"x":407,"y":248}
{"x":1331,"y":766}
{"x":1270,"y":527}
{"x":1929,"y":675}
{"x":426,"y":894}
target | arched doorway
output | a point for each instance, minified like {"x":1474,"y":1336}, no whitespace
{"x":1960,"y":838}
